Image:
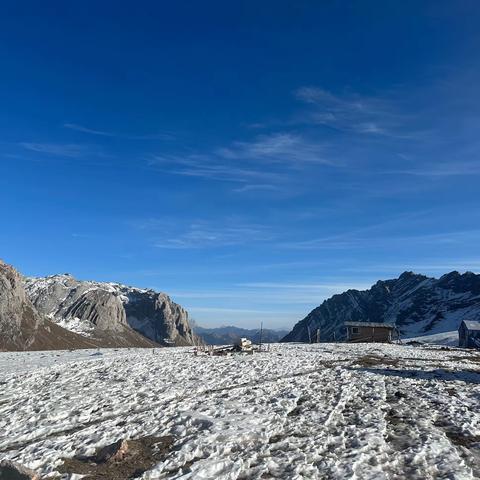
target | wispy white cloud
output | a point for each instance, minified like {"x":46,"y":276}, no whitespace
{"x":80,"y":128}
{"x":256,"y":187}
{"x":231,"y":310}
{"x":285,"y":148}
{"x":305,"y":286}
{"x":211,"y":167}
{"x":424,"y":266}
{"x":264,"y":163}
{"x":383,"y":240}
{"x":105,"y":133}
{"x":353,"y":113}
{"x":64,"y":150}
{"x":164,"y":233}
{"x":443,"y":169}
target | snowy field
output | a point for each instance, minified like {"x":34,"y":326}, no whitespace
{"x":300,"y":411}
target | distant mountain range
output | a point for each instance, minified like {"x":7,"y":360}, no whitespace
{"x":229,"y":334}
{"x":416,"y":304}
{"x":59,"y":311}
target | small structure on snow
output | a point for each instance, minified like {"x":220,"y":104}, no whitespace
{"x":369,"y":332}
{"x":244,"y":345}
{"x":469,"y":334}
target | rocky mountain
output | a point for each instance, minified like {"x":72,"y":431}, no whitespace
{"x":22,"y":327}
{"x":417,"y":304}
{"x":100,"y":310}
{"x":230,"y":334}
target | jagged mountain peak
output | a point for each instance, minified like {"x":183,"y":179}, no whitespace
{"x":417,"y":304}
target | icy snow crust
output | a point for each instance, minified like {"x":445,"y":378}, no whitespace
{"x":330,"y":411}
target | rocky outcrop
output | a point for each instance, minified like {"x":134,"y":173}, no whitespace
{"x":81,"y":307}
{"x":417,"y":304}
{"x":94,"y":309}
{"x":21,"y":325}
{"x":157,"y":317}
{"x":18,"y":319}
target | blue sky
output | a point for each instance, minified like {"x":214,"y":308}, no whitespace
{"x":248,"y":158}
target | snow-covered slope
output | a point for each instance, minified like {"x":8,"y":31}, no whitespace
{"x":417,"y":304}
{"x":325,"y":411}
{"x":89,"y":308}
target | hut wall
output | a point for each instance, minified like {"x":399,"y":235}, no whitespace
{"x":370,"y":334}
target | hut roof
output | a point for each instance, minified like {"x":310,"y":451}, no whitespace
{"x":472,"y":325}
{"x":369,"y":324}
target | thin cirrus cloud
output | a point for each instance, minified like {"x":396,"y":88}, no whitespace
{"x":388,"y":240}
{"x":163,"y":233}
{"x":306,"y":286}
{"x":443,"y":169}
{"x":104,"y":133}
{"x":389,"y":233}
{"x":263,"y":163}
{"x":213,"y":168}
{"x":64,"y":150}
{"x":279,"y":148}
{"x":353,"y":113}
{"x":420,"y":266}
{"x":257,"y":187}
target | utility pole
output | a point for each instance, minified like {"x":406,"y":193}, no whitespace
{"x":261,"y":333}
{"x":309,"y":335}
{"x":318,"y":336}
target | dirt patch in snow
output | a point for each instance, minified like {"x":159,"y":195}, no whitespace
{"x":121,"y":460}
{"x":374,"y":360}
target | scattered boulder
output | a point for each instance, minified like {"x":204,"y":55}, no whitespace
{"x":122,"y":460}
{"x":13,"y":471}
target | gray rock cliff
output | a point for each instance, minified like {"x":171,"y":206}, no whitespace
{"x":416,"y":304}
{"x":89,"y":308}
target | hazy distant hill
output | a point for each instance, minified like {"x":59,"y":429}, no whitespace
{"x":230,"y":334}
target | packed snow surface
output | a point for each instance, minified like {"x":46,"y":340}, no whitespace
{"x":330,"y":411}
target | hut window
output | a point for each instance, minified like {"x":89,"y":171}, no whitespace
{"x":355,"y":330}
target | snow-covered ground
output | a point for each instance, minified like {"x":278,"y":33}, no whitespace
{"x":300,"y":411}
{"x":443,"y":338}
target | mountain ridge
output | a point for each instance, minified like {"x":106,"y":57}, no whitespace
{"x":89,"y":307}
{"x":415,"y":303}
{"x":228,"y":334}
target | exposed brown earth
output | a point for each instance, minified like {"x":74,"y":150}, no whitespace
{"x":122,"y":460}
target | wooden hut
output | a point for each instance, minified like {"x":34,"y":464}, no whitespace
{"x":369,"y":332}
{"x":469,"y":334}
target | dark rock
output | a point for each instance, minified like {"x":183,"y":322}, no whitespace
{"x":13,"y":471}
{"x":121,"y":460}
